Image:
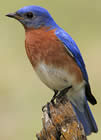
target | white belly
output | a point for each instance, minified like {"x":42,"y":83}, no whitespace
{"x":54,"y":78}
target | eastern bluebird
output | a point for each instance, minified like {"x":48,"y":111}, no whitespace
{"x":57,"y":61}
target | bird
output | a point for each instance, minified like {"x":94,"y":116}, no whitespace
{"x":57,"y":61}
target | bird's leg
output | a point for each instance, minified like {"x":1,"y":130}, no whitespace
{"x":63,"y":92}
{"x":54,"y":96}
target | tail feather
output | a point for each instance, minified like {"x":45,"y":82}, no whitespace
{"x":86,"y":118}
{"x":89,"y":95}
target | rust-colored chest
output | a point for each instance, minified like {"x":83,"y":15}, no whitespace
{"x":42,"y":45}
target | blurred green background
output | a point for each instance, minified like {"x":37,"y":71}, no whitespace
{"x":21,"y":93}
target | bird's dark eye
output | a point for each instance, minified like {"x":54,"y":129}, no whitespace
{"x":29,"y":15}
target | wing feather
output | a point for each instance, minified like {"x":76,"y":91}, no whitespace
{"x":72,"y":49}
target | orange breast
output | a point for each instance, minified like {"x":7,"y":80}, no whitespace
{"x":43,"y":45}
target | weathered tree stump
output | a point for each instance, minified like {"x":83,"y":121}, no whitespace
{"x":60,"y":122}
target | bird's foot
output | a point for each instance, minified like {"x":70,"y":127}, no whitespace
{"x":47,"y":108}
{"x":43,"y":107}
{"x":52,"y":101}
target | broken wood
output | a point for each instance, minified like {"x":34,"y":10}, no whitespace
{"x":60,"y":122}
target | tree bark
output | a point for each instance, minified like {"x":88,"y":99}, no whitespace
{"x":60,"y":122}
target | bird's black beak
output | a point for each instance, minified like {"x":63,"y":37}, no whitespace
{"x":11,"y":15}
{"x":14,"y":15}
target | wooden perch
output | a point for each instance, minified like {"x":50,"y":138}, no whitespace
{"x":60,"y":122}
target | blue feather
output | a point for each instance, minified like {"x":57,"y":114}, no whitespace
{"x":42,"y":17}
{"x":71,"y":45}
{"x":86,"y":118}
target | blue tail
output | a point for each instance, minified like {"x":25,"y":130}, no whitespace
{"x":87,"y":119}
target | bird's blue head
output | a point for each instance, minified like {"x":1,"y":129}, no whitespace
{"x":33,"y":17}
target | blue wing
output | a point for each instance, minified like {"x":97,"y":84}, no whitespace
{"x":71,"y":46}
